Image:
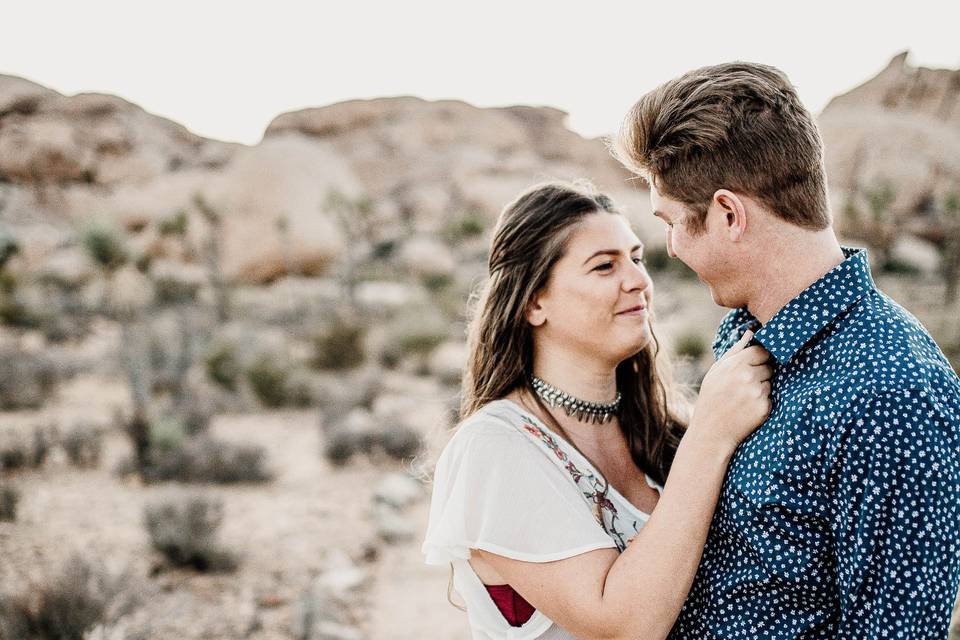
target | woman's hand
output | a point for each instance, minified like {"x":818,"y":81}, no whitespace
{"x":734,"y":395}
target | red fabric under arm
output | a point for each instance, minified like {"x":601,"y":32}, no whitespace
{"x":514,"y":608}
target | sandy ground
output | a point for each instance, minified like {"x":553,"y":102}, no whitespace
{"x":282,"y":532}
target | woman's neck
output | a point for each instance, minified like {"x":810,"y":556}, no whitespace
{"x":580,"y":377}
{"x":585,"y":379}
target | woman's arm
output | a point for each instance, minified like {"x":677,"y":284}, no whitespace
{"x":606,"y":595}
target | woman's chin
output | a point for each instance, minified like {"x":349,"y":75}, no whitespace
{"x":636,"y":346}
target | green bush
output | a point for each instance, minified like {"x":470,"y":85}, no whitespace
{"x":20,"y":451}
{"x":691,"y":345}
{"x":202,"y":458}
{"x":9,"y":498}
{"x":27,"y":380}
{"x":657,"y":260}
{"x":105,"y":244}
{"x":468,"y":225}
{"x":83,"y":445}
{"x":172,"y":290}
{"x":174,"y":225}
{"x":401,"y":442}
{"x":437,"y":282}
{"x":896,"y":266}
{"x":69,"y":605}
{"x":340,"y":346}
{"x":268,"y":381}
{"x":222,"y":366}
{"x":184,"y":529}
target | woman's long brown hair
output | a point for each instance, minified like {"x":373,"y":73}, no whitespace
{"x":530,"y":237}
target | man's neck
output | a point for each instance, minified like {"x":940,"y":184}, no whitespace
{"x":790,"y":265}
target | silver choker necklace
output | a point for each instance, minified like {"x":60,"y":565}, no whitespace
{"x":582,"y":410}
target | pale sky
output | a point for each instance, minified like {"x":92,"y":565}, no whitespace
{"x":224,"y":68}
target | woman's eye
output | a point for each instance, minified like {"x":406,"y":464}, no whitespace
{"x":638,"y":260}
{"x":604,"y":266}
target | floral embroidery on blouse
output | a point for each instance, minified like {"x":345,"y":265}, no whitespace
{"x":593,"y":488}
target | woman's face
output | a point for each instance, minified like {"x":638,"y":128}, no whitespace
{"x":597,"y":300}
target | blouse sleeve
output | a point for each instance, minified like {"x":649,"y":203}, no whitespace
{"x":496,"y":490}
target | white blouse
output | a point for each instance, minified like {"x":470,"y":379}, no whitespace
{"x":507,"y":484}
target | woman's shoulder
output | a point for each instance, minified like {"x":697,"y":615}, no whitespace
{"x":496,"y":419}
{"x":494,"y":424}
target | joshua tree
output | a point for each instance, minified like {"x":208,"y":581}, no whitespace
{"x":212,"y":254}
{"x":950,"y":247}
{"x":880,"y":231}
{"x":356,"y":219}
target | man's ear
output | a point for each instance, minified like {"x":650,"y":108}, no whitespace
{"x":536,"y":314}
{"x":734,"y":211}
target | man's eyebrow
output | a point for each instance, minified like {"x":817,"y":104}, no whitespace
{"x":612,"y":252}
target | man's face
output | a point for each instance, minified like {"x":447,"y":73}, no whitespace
{"x":705,"y":251}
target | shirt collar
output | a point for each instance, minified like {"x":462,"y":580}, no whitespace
{"x":817,"y":306}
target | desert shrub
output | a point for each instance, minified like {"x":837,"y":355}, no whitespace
{"x":339,"y":447}
{"x":469,"y":224}
{"x":226,"y":462}
{"x":83,"y":444}
{"x":690,"y":345}
{"x":20,"y":451}
{"x":105,"y":244}
{"x":9,"y":498}
{"x":899,"y":267}
{"x":383,"y":250}
{"x":437,"y":282}
{"x":355,"y":434}
{"x":175,"y":224}
{"x":359,"y":433}
{"x":268,"y":381}
{"x":340,"y":346}
{"x":401,"y":442}
{"x":173,"y":455}
{"x":414,"y":332}
{"x":184,"y":529}
{"x":196,"y":412}
{"x":222,"y":366}
{"x":68,"y":605}
{"x":13,"y":312}
{"x":26,"y":379}
{"x":169,"y":289}
{"x":657,"y":260}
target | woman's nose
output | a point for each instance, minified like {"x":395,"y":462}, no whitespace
{"x":637,"y":278}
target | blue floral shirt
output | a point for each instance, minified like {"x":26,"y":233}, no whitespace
{"x":840,"y":516}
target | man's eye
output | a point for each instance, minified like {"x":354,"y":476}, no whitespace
{"x":638,"y":260}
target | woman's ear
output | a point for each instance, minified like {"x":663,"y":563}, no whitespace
{"x":536,"y":314}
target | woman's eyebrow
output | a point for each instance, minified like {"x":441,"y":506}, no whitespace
{"x":612,"y":252}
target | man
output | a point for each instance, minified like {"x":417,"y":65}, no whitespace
{"x":839,"y":517}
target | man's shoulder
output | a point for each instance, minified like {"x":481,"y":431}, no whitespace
{"x":881,"y":347}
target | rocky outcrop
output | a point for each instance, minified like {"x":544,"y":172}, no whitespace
{"x":902,"y":129}
{"x":429,"y":161}
{"x":90,"y":138}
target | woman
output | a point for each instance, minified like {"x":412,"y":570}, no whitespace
{"x":552,"y":500}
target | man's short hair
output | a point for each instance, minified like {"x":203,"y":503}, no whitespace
{"x":737,"y":126}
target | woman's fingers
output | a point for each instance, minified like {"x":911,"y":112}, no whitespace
{"x":740,"y":345}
